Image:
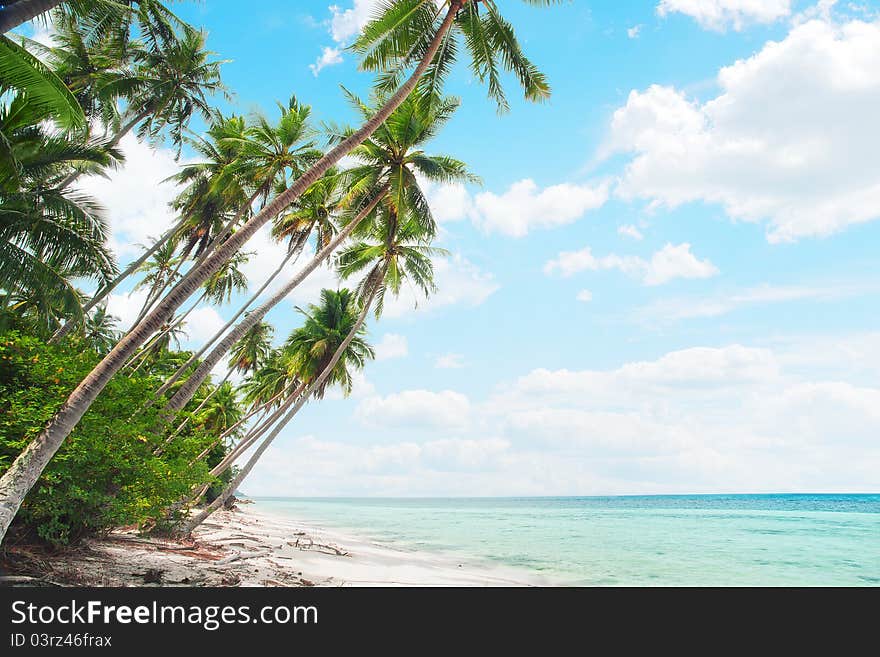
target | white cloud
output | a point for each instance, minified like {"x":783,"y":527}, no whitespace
{"x":634,"y":31}
{"x":667,"y":264}
{"x":134,"y":196}
{"x":200,"y":325}
{"x":673,"y":262}
{"x":344,"y":25}
{"x":521,"y":209}
{"x":391,"y":346}
{"x":584,"y":295}
{"x":448,"y":202}
{"x":328,"y":57}
{"x":721,"y":14}
{"x":449,"y":362}
{"x":702,"y":419}
{"x":459,"y":282}
{"x":524,"y":207}
{"x":630,"y":231}
{"x":790,"y":140}
{"x":416,"y":409}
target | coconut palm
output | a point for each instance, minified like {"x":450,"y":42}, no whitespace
{"x":208,"y":193}
{"x":422,"y":33}
{"x":47,"y":235}
{"x":395,"y":251}
{"x":222,"y":412}
{"x":389,"y":160}
{"x":161,"y":268}
{"x":99,"y":331}
{"x":324,"y":351}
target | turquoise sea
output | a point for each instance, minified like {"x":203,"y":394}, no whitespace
{"x":731,"y":540}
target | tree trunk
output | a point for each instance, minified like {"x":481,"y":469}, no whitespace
{"x":188,"y":389}
{"x":26,"y":469}
{"x":195,"y":357}
{"x":156,"y":293}
{"x":262,"y":407}
{"x":233,"y":485}
{"x":103,"y":292}
{"x":11,"y":16}
{"x":254,"y":434}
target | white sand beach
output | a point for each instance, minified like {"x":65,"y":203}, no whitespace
{"x":246,"y":547}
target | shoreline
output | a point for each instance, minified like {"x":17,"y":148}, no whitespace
{"x":249,"y":547}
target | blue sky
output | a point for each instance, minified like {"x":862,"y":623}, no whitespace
{"x":667,"y":282}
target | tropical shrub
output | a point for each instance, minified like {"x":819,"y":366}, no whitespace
{"x":106,"y":475}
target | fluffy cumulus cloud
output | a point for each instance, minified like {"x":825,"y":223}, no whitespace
{"x":789,"y":141}
{"x":135,"y":197}
{"x":525,"y":207}
{"x":522,"y":208}
{"x":665,"y":265}
{"x":703,"y":419}
{"x":344,"y":25}
{"x":723,"y":14}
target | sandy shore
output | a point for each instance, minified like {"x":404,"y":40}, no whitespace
{"x":246,"y":547}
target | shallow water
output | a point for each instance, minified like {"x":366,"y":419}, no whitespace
{"x":808,"y":540}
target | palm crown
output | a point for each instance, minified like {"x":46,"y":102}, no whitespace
{"x":310,"y":348}
{"x":402,"y":30}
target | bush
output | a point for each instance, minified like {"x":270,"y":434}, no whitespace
{"x":105,"y":474}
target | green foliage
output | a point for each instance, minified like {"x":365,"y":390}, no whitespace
{"x":105,"y":475}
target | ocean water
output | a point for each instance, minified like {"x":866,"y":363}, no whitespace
{"x":689,"y":540}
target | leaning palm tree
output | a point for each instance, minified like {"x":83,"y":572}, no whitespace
{"x":323,"y":352}
{"x":207,"y":193}
{"x":99,"y":331}
{"x":158,"y":271}
{"x":395,"y":251}
{"x":416,"y":35}
{"x":391,"y":160}
{"x":48,"y":236}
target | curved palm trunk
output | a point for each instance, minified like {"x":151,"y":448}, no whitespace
{"x":256,"y":411}
{"x":177,"y":323}
{"x":188,"y":389}
{"x":11,"y":16}
{"x":27,"y":467}
{"x":233,"y":485}
{"x":103,"y":292}
{"x":256,"y":432}
{"x":195,"y":357}
{"x":156,"y":293}
{"x":183,"y":424}
{"x":243,"y":445}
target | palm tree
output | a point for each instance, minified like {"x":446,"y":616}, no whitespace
{"x":158,"y":272}
{"x":48,"y":236}
{"x":208,"y":193}
{"x":223,"y":411}
{"x":249,"y":353}
{"x":170,"y":84}
{"x":100,"y":331}
{"x":420,"y":32}
{"x":390,"y":160}
{"x":395,"y":251}
{"x":323,"y":352}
